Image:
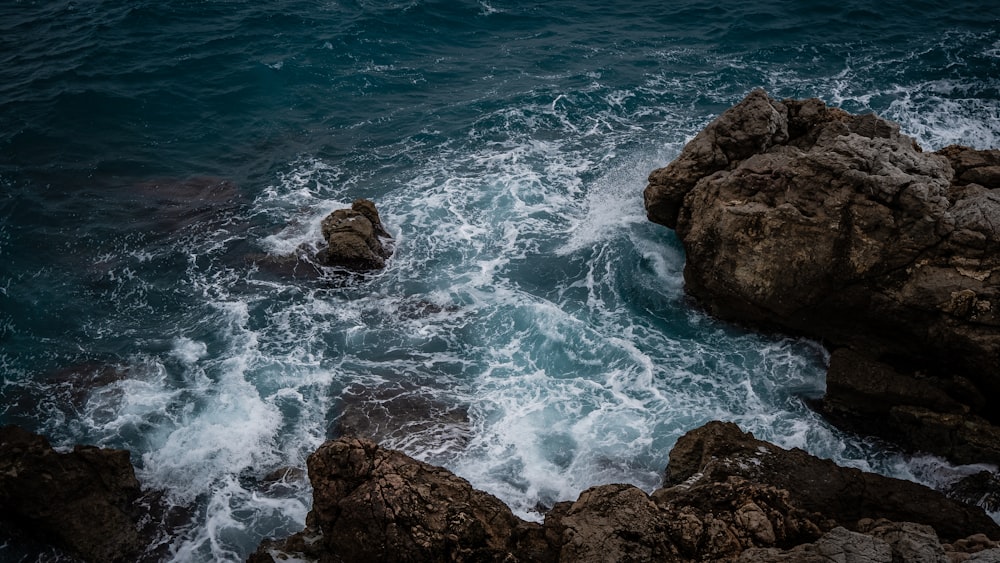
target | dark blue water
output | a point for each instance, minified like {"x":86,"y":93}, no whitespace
{"x":148,"y":148}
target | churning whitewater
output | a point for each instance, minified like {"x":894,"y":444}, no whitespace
{"x":531,"y":322}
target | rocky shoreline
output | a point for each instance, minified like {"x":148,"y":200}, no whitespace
{"x":795,"y":217}
{"x":804,"y":219}
{"x":726,"y":497}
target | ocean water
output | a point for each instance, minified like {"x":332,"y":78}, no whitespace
{"x":530,"y":333}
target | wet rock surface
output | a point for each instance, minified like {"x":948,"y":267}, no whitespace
{"x":803,"y":218}
{"x":403,"y":414}
{"x":721,"y":452}
{"x":980,"y":489}
{"x":83,"y":501}
{"x":727,"y":497}
{"x":355,"y":238}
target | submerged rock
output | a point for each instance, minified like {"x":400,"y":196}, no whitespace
{"x":83,"y":501}
{"x":175,"y":204}
{"x":727,"y":497}
{"x":981,"y":489}
{"x":402,"y":414}
{"x":804,"y":218}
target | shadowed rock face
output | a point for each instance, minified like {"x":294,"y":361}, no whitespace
{"x":981,"y":489}
{"x":728,"y":497}
{"x":719,"y":451}
{"x":82,"y":501}
{"x":803,"y":218}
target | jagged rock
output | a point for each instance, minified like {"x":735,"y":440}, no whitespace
{"x":610,"y":523}
{"x":981,"y":489}
{"x":719,"y":520}
{"x":727,"y":497}
{"x":354,"y":238}
{"x":807,"y":219}
{"x":974,"y":548}
{"x":839,"y":544}
{"x":858,"y":384}
{"x":909,"y":542}
{"x":921,"y":413}
{"x":882,"y":542}
{"x":718,"y":451}
{"x":374,"y":504}
{"x":962,"y":438}
{"x":986,"y":556}
{"x":82,"y":501}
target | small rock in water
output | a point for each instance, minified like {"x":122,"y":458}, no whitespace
{"x":355,"y":238}
{"x":981,"y":489}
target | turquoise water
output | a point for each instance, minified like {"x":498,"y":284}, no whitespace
{"x":148,"y":148}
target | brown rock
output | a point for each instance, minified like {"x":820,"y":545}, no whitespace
{"x":920,"y":413}
{"x":354,"y":238}
{"x":803,"y":218}
{"x":728,"y":497}
{"x":839,"y":544}
{"x":611,"y":523}
{"x":962,"y":438}
{"x":857,"y":383}
{"x":908,"y":541}
{"x":373,"y":504}
{"x":82,"y":501}
{"x":717,"y":452}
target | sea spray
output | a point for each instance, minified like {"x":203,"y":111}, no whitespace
{"x":506,"y":147}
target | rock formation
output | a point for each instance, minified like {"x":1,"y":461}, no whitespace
{"x":727,"y":497}
{"x":719,"y":452}
{"x":373,"y":504}
{"x":803,"y":218}
{"x":82,"y":501}
{"x":354,"y":238}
